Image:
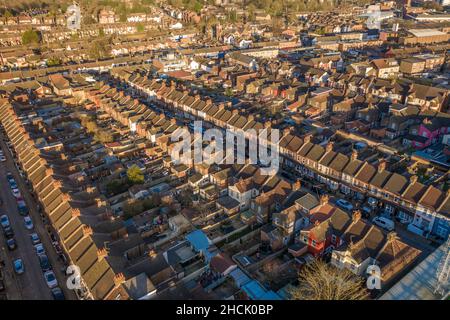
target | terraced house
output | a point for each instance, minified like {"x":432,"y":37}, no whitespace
{"x":310,"y":159}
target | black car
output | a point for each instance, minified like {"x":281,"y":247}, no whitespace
{"x":2,"y":283}
{"x":45,"y":264}
{"x":9,"y":232}
{"x":12,"y":244}
{"x":58,"y":294}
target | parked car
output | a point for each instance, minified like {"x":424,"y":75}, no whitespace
{"x":35,"y":238}
{"x":2,"y":159}
{"x":2,"y":283}
{"x":39,"y":249}
{"x":9,"y":175}
{"x":372,"y":202}
{"x":384,"y":223}
{"x":9,"y":232}
{"x":19,"y":267}
{"x":4,"y":221}
{"x":45,"y":264}
{"x":50,"y":279}
{"x":22,"y":207}
{"x":16,"y":193}
{"x":366,"y":211}
{"x":344,"y":204}
{"x":12,"y":183}
{"x":11,"y":244}
{"x":58,"y":294}
{"x":28,"y":223}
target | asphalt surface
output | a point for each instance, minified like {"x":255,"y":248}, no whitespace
{"x":30,"y":285}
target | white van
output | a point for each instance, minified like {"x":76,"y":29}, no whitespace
{"x":384,"y":223}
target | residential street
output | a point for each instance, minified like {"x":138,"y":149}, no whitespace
{"x":31,"y":285}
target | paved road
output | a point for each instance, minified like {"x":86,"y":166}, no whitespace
{"x":30,"y":285}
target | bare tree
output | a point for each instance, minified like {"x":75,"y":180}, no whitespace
{"x":320,"y":281}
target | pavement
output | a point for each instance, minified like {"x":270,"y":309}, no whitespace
{"x":31,"y":285}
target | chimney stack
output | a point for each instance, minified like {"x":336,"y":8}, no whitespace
{"x":356,"y":215}
{"x":76,"y":212}
{"x":382,"y":165}
{"x":101,"y":254}
{"x":354,"y":155}
{"x":324,"y":199}
{"x":329,"y":146}
{"x":119,"y":279}
{"x":286,"y":131}
{"x":413,"y":179}
{"x":392,"y":236}
{"x":307,"y":138}
{"x":87,"y":231}
{"x":297,"y":185}
{"x":66,"y":197}
{"x":49,"y":172}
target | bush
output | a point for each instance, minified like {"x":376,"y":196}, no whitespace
{"x":116,"y":187}
{"x":135,"y":175}
{"x":31,"y":37}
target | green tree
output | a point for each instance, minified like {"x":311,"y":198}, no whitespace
{"x":103,"y":136}
{"x":140,"y":27}
{"x":31,"y":37}
{"x":6,"y":16}
{"x":89,"y":20}
{"x":197,"y":7}
{"x":135,"y":175}
{"x":53,"y":61}
{"x":132,"y":208}
{"x":116,"y":186}
{"x":99,"y":49}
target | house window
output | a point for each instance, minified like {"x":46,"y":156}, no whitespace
{"x":314,"y":243}
{"x":305,"y":239}
{"x":333,"y":238}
